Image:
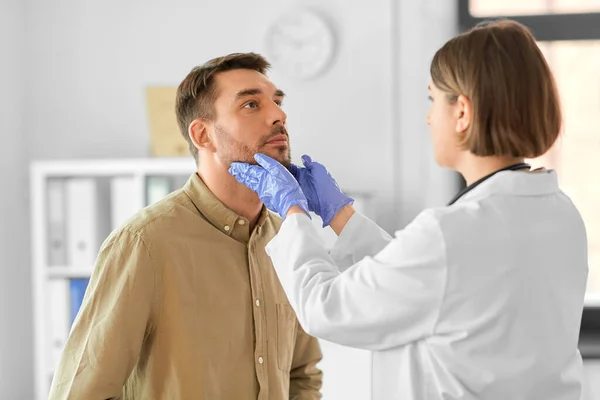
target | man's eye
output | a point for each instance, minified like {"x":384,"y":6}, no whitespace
{"x":279,"y":103}
{"x":251,"y":104}
{"x":430,"y":98}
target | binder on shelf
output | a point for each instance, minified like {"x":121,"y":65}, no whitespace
{"x":87,"y":220}
{"x":125,"y":199}
{"x":77,"y":290}
{"x":57,"y":252}
{"x":157,"y":187}
{"x":58,"y":317}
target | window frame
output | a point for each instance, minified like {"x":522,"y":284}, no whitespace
{"x":545,"y":27}
{"x":554,"y":28}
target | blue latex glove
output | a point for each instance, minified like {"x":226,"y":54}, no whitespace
{"x":275,"y":185}
{"x":322,"y":191}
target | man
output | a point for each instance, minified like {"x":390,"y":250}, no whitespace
{"x":184,"y":302}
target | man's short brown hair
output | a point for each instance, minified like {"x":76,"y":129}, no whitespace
{"x":197,"y":93}
{"x":498,"y":66}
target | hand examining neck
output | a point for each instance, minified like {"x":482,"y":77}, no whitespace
{"x":276,"y":187}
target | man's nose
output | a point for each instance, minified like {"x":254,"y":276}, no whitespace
{"x":277,"y":115}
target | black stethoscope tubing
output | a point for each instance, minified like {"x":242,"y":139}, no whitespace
{"x":472,"y":186}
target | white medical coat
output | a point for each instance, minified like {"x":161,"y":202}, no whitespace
{"x":478,"y":300}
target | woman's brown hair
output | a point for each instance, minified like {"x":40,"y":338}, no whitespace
{"x":501,"y":70}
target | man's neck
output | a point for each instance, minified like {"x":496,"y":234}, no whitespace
{"x":235,"y":196}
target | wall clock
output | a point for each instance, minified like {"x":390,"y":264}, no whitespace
{"x":300,"y":43}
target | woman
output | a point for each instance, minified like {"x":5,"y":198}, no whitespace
{"x":480,"y":299}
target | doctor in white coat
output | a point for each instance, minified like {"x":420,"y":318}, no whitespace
{"x":479,"y":299}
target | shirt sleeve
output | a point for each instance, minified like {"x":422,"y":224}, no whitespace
{"x":382,"y":301}
{"x":116,"y":316}
{"x":305,"y":378}
{"x":347,"y":250}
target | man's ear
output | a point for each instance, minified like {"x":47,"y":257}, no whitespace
{"x":198,"y":133}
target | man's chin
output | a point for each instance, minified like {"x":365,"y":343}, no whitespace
{"x":282,"y":155}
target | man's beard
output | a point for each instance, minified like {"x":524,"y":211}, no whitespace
{"x":231,"y":150}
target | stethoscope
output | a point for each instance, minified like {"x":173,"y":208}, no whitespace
{"x":472,"y":186}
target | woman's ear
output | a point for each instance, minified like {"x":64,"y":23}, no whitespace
{"x":464,"y":114}
{"x":198,"y":133}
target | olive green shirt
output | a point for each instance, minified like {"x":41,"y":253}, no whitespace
{"x":184,"y":303}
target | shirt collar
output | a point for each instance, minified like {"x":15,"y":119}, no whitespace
{"x":516,"y":183}
{"x":221,"y":217}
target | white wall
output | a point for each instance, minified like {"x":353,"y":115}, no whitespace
{"x":15,"y":278}
{"x":591,"y":384}
{"x":422,"y":27}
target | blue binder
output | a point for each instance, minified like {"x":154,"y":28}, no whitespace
{"x":77,"y":291}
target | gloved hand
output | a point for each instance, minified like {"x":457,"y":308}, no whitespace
{"x":322,"y":191}
{"x":275,"y":185}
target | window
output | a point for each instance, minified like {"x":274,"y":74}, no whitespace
{"x":568,"y":34}
{"x":493,"y":8}
{"x":549,"y":20}
{"x":576,"y":156}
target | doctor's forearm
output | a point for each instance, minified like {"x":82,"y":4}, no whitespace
{"x":341,"y":219}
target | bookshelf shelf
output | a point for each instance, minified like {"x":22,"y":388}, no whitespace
{"x":55,"y":272}
{"x":75,"y":204}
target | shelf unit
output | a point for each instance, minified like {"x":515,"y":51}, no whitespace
{"x":42,"y":172}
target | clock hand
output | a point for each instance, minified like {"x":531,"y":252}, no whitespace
{"x":289,"y":38}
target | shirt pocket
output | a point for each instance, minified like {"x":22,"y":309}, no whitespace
{"x":286,"y":336}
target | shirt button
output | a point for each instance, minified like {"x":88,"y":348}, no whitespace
{"x":257,"y":303}
{"x":241,"y":222}
{"x":260,"y":360}
{"x":226,"y":227}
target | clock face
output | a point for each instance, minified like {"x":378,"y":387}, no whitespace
{"x":300,"y":43}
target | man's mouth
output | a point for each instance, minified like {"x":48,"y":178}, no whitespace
{"x":279,"y":140}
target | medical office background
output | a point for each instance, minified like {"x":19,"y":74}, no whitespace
{"x":73,"y":84}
